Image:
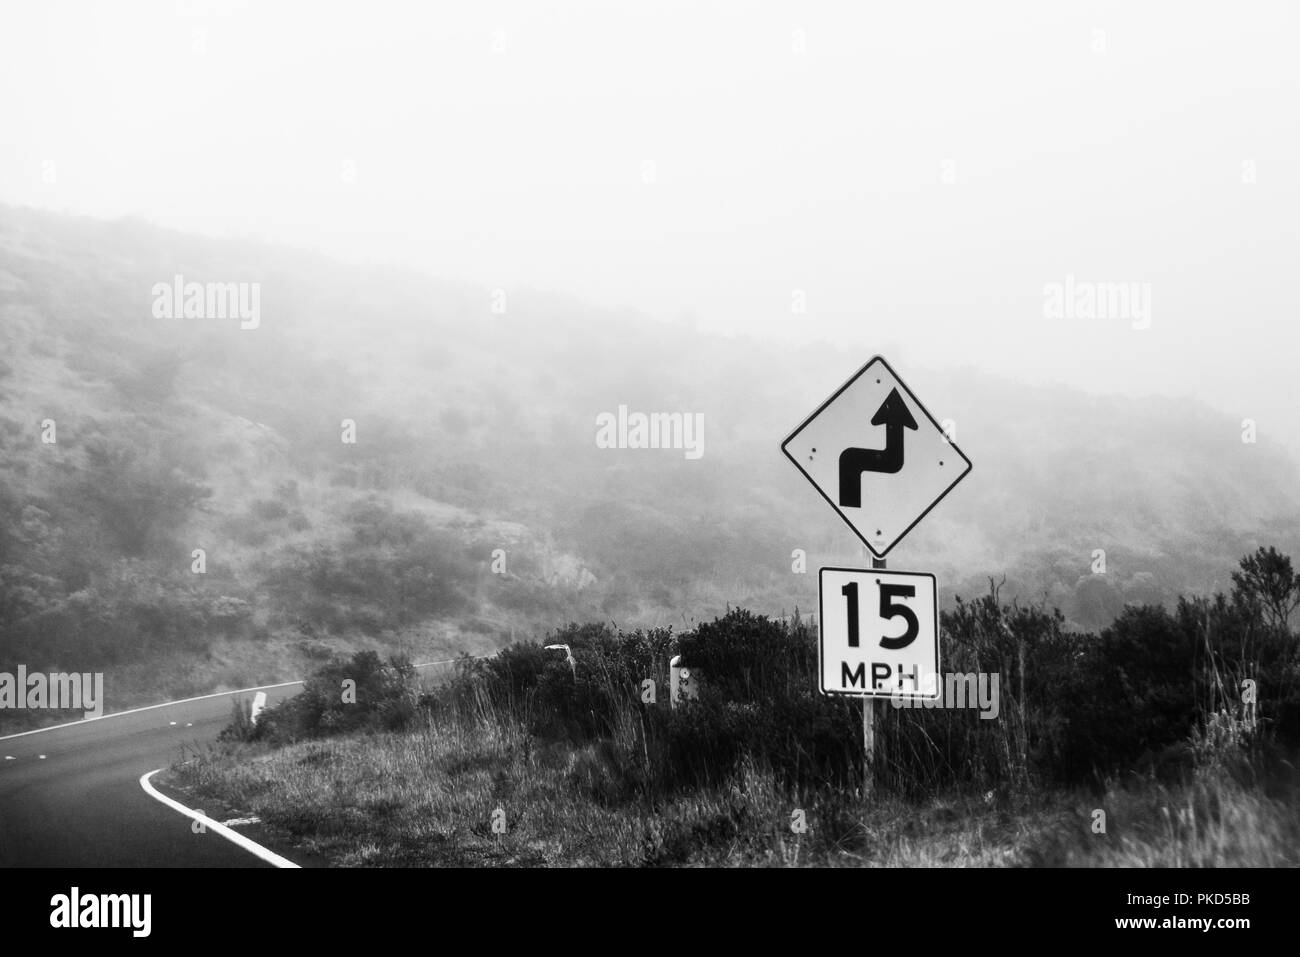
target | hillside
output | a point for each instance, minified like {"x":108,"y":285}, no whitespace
{"x":475,"y":432}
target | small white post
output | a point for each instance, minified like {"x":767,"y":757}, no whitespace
{"x":683,"y":683}
{"x":259,"y":702}
{"x":573,"y":665}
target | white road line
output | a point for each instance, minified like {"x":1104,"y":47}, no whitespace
{"x":234,"y":837}
{"x":165,"y":704}
{"x":202,"y":697}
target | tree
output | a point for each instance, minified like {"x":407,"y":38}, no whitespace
{"x":137,"y":494}
{"x":1268,"y":582}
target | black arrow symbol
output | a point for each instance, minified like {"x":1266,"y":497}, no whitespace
{"x":894,"y":416}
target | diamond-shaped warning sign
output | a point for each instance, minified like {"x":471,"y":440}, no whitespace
{"x":877,"y":455}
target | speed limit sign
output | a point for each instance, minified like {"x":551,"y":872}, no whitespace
{"x":879,"y":634}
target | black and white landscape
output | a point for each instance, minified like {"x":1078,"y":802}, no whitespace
{"x":392,"y":400}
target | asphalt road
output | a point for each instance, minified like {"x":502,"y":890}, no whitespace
{"x":71,"y":796}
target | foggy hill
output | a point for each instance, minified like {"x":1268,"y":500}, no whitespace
{"x":475,"y":417}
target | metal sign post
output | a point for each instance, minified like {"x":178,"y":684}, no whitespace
{"x":869,"y":728}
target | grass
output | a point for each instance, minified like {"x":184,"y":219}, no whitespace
{"x":429,"y":797}
{"x":524,"y":759}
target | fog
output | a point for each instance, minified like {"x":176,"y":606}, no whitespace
{"x":900,"y":180}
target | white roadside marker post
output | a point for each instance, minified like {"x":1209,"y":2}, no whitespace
{"x":259,"y":702}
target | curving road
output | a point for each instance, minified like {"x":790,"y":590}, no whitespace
{"x":70,"y":796}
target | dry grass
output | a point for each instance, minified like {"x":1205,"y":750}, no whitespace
{"x":428,"y":798}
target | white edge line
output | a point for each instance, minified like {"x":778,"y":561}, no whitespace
{"x":272,"y":858}
{"x":202,"y":697}
{"x":165,"y":704}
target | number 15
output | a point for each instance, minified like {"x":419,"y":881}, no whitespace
{"x":889,"y":608}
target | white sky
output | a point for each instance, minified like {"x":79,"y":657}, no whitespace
{"x":505,"y":144}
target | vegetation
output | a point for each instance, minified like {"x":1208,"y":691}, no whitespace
{"x":1154,"y":722}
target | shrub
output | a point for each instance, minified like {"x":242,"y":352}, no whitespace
{"x":1135,"y":692}
{"x":554,"y":699}
{"x":363,"y":693}
{"x":1072,"y":707}
{"x":1155,"y":690}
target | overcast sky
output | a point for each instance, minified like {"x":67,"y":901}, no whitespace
{"x":914,"y":175}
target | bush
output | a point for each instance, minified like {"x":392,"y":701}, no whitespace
{"x":758,"y":701}
{"x":1072,"y":707}
{"x":1134,"y":693}
{"x":363,"y":693}
{"x":1155,"y":690}
{"x":554,"y":699}
{"x":394,"y":571}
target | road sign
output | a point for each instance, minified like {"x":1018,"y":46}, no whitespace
{"x":877,"y":455}
{"x":879,"y":634}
